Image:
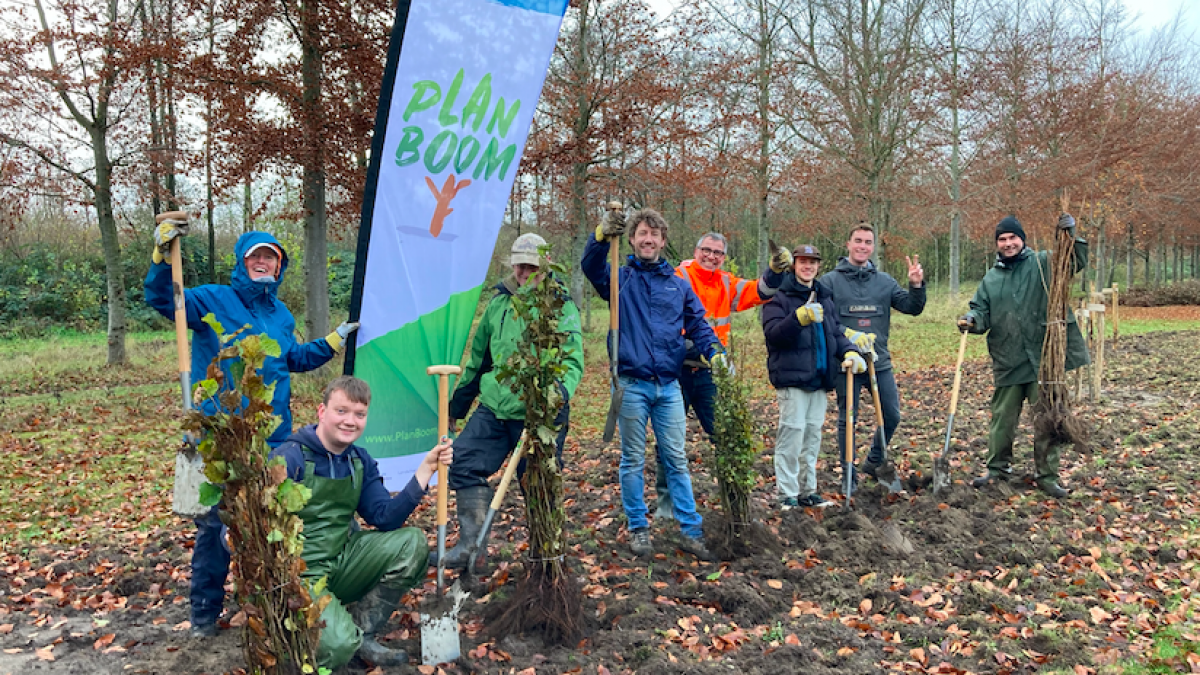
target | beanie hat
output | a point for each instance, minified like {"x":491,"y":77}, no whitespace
{"x":806,"y":251}
{"x":1010,"y":225}
{"x":525,"y":250}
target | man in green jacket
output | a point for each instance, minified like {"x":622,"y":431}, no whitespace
{"x":495,"y":427}
{"x":1010,"y":306}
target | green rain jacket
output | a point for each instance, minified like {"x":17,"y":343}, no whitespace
{"x":497,"y":336}
{"x":1010,"y":306}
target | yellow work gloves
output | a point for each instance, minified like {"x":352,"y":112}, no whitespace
{"x":337,"y":339}
{"x":612,"y":228}
{"x":811,"y":313}
{"x":854,"y":362}
{"x":170,"y":225}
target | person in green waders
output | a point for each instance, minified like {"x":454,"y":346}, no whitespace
{"x":367,"y":571}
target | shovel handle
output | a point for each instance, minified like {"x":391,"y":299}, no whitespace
{"x":962,"y":350}
{"x":509,"y":472}
{"x":181,"y":339}
{"x":850,"y":396}
{"x":443,"y":481}
{"x":875,"y":394}
{"x":614,"y":263}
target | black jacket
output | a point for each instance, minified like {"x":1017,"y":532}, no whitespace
{"x":866,"y":297}
{"x":792,"y":349}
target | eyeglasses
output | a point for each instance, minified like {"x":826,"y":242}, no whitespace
{"x":709,"y":251}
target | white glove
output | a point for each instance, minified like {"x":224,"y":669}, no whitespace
{"x":337,"y":338}
{"x":854,"y":362}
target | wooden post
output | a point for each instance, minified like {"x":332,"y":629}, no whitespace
{"x":1116,"y":312}
{"x":1096,"y":309}
{"x":1086,"y":329}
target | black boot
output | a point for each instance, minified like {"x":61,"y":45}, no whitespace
{"x":371,"y":614}
{"x":472,"y":508}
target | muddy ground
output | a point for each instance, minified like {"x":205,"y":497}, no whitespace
{"x":993,"y":581}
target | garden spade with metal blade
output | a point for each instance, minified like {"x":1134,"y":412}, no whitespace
{"x":886,"y":472}
{"x":439,"y":627}
{"x":497,"y":500}
{"x":941,"y":465}
{"x":614,"y":325}
{"x":848,"y":452}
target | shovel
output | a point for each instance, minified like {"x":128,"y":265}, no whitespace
{"x":497,"y":500}
{"x":614,"y":324}
{"x":886,"y":473}
{"x":439,"y":628}
{"x":189,"y":465}
{"x":848,"y":453}
{"x":941,"y":465}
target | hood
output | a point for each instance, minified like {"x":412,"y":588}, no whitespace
{"x":853,"y":271}
{"x":307,"y":436}
{"x":694,"y":268}
{"x":1001,"y":263}
{"x":660,"y":266}
{"x":246,"y":289}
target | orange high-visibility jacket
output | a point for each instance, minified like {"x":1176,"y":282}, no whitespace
{"x":721,"y":293}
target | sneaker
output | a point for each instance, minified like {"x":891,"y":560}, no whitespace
{"x":204,"y":630}
{"x":788,"y":503}
{"x":695,"y":546}
{"x":1053,"y":489}
{"x":815,"y":501}
{"x":639,"y":542}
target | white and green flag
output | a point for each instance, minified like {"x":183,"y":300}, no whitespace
{"x":462,"y":81}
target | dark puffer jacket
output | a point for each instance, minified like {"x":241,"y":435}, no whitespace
{"x":793,"y":353}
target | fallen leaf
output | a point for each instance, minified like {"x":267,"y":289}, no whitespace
{"x":775,"y":583}
{"x":104,"y":641}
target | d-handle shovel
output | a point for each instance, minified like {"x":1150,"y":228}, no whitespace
{"x":941,"y":465}
{"x":497,"y":500}
{"x":885,"y":472}
{"x":439,"y":628}
{"x":848,"y":452}
{"x":189,"y":466}
{"x":614,"y":325}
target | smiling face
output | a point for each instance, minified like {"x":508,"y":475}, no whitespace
{"x":647,"y":242}
{"x":1009,"y":244}
{"x":340,"y":421}
{"x":710,"y":254}
{"x":524,"y":273}
{"x":806,"y":269}
{"x":861,"y":247}
{"x":262,"y":262}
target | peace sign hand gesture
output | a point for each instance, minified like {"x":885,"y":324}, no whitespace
{"x":916,"y":275}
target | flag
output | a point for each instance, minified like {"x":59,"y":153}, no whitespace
{"x":460,"y":86}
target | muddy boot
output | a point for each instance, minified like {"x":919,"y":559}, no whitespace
{"x":1053,"y":489}
{"x":371,"y":614}
{"x":472,"y":509}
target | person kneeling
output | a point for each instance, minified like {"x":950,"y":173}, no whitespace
{"x":367,"y":572}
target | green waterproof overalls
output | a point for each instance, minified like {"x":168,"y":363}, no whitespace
{"x":353,"y":562}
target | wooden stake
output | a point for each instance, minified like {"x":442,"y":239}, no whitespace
{"x":1116,"y":312}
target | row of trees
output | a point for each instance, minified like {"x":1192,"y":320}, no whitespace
{"x":786,"y":119}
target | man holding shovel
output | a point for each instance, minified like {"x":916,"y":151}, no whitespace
{"x":250,"y":298}
{"x":1010,"y":306}
{"x":495,"y":427}
{"x":366,"y":572}
{"x":865,"y":297}
{"x":721,"y":293}
{"x":658,"y":310}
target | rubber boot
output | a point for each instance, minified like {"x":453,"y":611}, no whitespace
{"x":473,"y":504}
{"x":371,"y":615}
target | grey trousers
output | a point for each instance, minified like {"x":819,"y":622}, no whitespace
{"x":798,"y":441}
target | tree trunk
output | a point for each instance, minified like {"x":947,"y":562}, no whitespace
{"x":579,"y":169}
{"x":247,"y":206}
{"x":112,"y":246}
{"x":316,"y":277}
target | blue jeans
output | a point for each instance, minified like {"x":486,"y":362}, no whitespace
{"x":662,"y":406}
{"x":889,"y":400}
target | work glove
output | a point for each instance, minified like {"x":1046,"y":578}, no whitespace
{"x":966,"y":322}
{"x":337,"y":339}
{"x":854,"y":362}
{"x":720,"y":360}
{"x":170,"y":225}
{"x":1066,"y":222}
{"x":811,"y":313}
{"x":781,"y":260}
{"x":864,"y":341}
{"x":613,"y":226}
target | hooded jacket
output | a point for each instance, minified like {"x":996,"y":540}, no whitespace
{"x":375,"y":504}
{"x":865,"y":298}
{"x":1010,"y":306}
{"x":243,"y":302}
{"x":499,"y":333}
{"x":793,"y":351}
{"x":657,"y":311}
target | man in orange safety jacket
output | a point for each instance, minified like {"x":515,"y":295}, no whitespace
{"x":721,"y":293}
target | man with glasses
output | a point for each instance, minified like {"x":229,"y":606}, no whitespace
{"x":721,"y":293}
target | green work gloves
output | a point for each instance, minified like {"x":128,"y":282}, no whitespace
{"x":612,"y":228}
{"x":811,"y":313}
{"x":864,"y":341}
{"x":854,"y":362}
{"x":337,"y":339}
{"x":170,"y":225}
{"x":781,"y":260}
